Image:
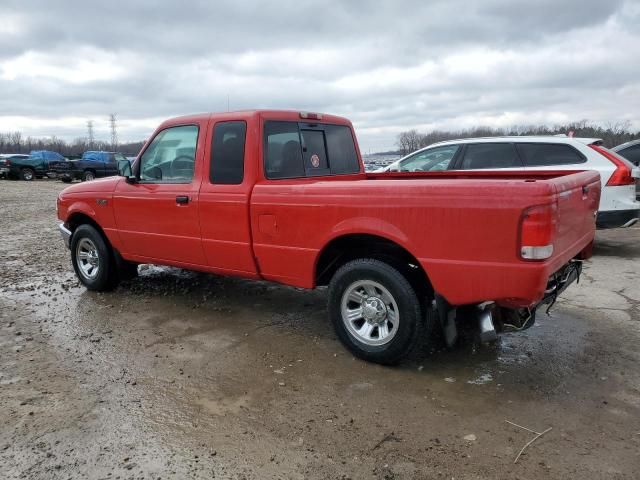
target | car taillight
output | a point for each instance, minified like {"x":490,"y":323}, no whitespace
{"x":622,"y":173}
{"x":537,"y":229}
{"x":7,"y":162}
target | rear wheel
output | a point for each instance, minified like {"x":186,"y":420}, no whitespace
{"x":92,"y":259}
{"x":88,"y":176}
{"x":27,"y":174}
{"x":375,"y":311}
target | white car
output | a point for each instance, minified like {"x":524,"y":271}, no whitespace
{"x":618,"y":205}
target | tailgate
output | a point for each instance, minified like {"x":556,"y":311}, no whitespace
{"x":577,"y":197}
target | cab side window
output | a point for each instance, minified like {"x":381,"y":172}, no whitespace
{"x":171,"y":156}
{"x":227,"y":153}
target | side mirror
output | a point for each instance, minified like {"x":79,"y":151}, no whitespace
{"x":125,"y":170}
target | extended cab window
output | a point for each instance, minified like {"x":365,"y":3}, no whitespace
{"x":432,"y":160}
{"x":295,"y":149}
{"x":171,"y":156}
{"x":227,"y":153}
{"x":490,"y":155}
{"x":540,"y":154}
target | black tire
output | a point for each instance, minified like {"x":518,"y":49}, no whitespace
{"x":88,"y":176}
{"x":27,"y":174}
{"x":106,"y":278}
{"x":65,"y":180}
{"x":410,"y":323}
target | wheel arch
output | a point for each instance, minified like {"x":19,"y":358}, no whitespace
{"x":78,"y":218}
{"x":347,"y":247}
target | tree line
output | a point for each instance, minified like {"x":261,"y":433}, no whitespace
{"x":15,"y":142}
{"x":612,"y":133}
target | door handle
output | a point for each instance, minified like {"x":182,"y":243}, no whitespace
{"x":182,"y":199}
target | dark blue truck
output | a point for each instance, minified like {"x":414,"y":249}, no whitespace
{"x":93,"y":164}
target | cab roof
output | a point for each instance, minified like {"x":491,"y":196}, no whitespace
{"x":284,"y":115}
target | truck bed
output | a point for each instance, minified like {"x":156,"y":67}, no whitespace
{"x":462,"y":227}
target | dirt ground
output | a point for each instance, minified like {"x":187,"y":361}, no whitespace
{"x":184,"y":375}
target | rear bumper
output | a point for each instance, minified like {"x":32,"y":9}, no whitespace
{"x":518,"y":284}
{"x":617,"y":218}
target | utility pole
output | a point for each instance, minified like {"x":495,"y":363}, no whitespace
{"x":114,"y":131}
{"x":90,"y":136}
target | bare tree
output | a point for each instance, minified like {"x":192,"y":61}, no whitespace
{"x":409,"y":141}
{"x":90,"y":134}
{"x":114,"y":131}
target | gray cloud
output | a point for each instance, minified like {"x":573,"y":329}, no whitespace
{"x":387,"y":65}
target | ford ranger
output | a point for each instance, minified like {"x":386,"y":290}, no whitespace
{"x":283,"y":196}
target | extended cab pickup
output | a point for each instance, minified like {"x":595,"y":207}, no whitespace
{"x":93,"y":164}
{"x":283,"y":196}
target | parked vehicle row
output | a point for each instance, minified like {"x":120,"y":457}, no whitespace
{"x":283,"y":196}
{"x":41,"y":163}
{"x":618,"y":205}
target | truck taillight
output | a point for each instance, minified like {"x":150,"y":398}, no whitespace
{"x":622,"y":173}
{"x":537,"y":229}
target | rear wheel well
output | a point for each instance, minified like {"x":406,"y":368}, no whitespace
{"x":349,"y":247}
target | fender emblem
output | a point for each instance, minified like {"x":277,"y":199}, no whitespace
{"x":102,"y":201}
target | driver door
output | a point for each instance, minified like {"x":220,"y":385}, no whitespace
{"x":157,"y":215}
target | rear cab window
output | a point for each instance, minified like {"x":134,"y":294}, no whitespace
{"x":299,"y":149}
{"x":544,"y":154}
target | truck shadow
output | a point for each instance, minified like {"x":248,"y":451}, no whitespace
{"x":624,"y":243}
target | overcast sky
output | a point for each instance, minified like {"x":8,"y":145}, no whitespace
{"x":388,"y":66}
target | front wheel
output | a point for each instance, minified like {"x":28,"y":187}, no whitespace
{"x":375,"y":311}
{"x":88,"y":176}
{"x":92,"y":259}
{"x":27,"y":174}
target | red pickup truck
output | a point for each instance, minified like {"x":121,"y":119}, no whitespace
{"x":283,"y":196}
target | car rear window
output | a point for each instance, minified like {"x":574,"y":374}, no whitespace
{"x":541,"y":154}
{"x":294,"y":150}
{"x":490,"y":155}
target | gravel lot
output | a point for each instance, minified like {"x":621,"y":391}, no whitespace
{"x":184,"y":375}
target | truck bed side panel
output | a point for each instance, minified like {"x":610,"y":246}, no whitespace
{"x":464,"y":232}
